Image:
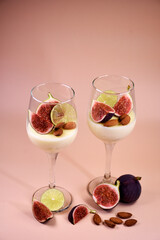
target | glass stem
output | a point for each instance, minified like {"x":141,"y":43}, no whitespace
{"x":109,"y":148}
{"x":52,"y":158}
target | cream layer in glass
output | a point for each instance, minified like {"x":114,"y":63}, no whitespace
{"x":111,"y":134}
{"x":49,"y":142}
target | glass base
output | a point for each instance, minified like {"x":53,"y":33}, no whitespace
{"x":93,"y":183}
{"x":67,"y":196}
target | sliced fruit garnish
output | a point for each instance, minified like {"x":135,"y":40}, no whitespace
{"x":64,"y":112}
{"x":100,"y":110}
{"x":78,"y":212}
{"x":53,"y":199}
{"x":108,"y":97}
{"x":124,"y":105}
{"x":44,"y":109}
{"x":41,"y":212}
{"x":106,"y":195}
{"x":39,"y":124}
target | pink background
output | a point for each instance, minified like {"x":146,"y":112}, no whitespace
{"x":73,"y":42}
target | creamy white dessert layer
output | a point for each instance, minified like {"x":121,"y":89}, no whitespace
{"x":49,"y":142}
{"x":112,"y":134}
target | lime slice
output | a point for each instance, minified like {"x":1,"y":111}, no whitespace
{"x":109,"y":99}
{"x":64,"y":112}
{"x":53,"y":199}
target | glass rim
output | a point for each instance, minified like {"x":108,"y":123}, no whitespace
{"x":113,"y":75}
{"x":56,"y":83}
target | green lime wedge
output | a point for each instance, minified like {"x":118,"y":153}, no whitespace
{"x":64,"y":112}
{"x":53,"y":199}
{"x":109,"y":99}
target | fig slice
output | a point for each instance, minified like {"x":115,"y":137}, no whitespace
{"x":124,"y":105}
{"x":39,"y":124}
{"x":41,"y":212}
{"x":78,"y":212}
{"x":41,"y":121}
{"x":106,"y":195}
{"x":100,"y":110}
{"x":44,"y":109}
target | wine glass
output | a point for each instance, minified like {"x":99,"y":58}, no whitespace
{"x":111,"y":116}
{"x":52,"y":126}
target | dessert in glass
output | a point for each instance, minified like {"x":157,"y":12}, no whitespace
{"x":111,"y":116}
{"x":52,"y":126}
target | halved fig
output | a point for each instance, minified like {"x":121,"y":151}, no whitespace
{"x":41,"y":212}
{"x":124,"y":105}
{"x":78,"y":212}
{"x":40,"y":124}
{"x":100,"y":110}
{"x":44,"y":109}
{"x":106,"y":195}
{"x":41,"y":120}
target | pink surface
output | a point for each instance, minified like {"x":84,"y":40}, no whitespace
{"x":74,"y":42}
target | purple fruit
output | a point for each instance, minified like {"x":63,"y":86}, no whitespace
{"x":100,"y":110}
{"x":41,"y":120}
{"x":78,"y":212}
{"x":130,"y":188}
{"x":41,"y":125}
{"x":44,"y":109}
{"x":41,"y":212}
{"x":124,"y":105}
{"x":107,"y":117}
{"x":106,"y":195}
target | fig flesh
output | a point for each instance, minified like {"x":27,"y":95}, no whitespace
{"x":124,"y":105}
{"x":39,"y":124}
{"x":44,"y":109}
{"x":41,"y":121}
{"x":78,"y":212}
{"x":41,"y":212}
{"x":130,"y":188}
{"x":106,"y":195}
{"x":100,"y":110}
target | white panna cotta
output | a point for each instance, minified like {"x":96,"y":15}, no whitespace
{"x":111,"y":134}
{"x":49,"y":142}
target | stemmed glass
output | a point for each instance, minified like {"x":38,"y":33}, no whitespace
{"x":112,"y":99}
{"x":52,"y":126}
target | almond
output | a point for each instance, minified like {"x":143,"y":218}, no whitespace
{"x":69,"y":125}
{"x":124,"y":215}
{"x":59,"y":125}
{"x":58,"y":132}
{"x":116,"y":220}
{"x":109,"y":223}
{"x":111,"y":123}
{"x":130,"y":222}
{"x":97,"y":219}
{"x":124,"y":119}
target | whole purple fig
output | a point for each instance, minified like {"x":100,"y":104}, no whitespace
{"x":130,"y":188}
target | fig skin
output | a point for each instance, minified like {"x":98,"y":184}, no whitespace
{"x":70,"y":215}
{"x":130,"y":188}
{"x":107,"y":117}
